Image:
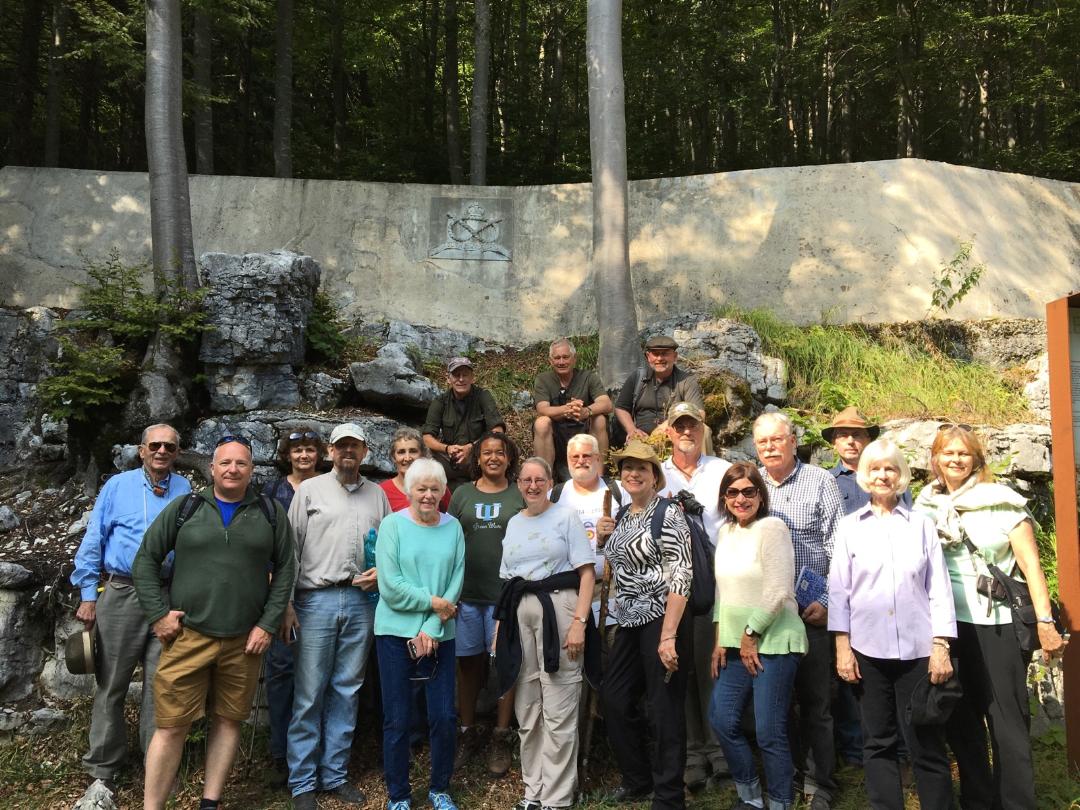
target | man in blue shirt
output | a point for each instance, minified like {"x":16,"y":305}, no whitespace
{"x":125,"y":507}
{"x":849,"y":433}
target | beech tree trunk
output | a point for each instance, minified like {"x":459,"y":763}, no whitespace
{"x":203,"y":113}
{"x":170,"y":207}
{"x":479,"y":113}
{"x":337,"y":80}
{"x":283,"y":90}
{"x":450,"y":89}
{"x":616,"y":314}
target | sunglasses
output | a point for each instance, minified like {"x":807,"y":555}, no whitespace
{"x":307,"y":434}
{"x":957,"y":425}
{"x":731,"y":493}
{"x":153,"y":447}
{"x":230,"y":438}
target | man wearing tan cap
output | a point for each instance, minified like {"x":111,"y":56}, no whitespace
{"x":849,"y":433}
{"x":458,"y":417}
{"x":648,"y":392}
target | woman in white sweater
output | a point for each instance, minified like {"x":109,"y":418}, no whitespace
{"x":757,"y":619}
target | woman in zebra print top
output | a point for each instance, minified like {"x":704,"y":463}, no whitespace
{"x":652,"y":578}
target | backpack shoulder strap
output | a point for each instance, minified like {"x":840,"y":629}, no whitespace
{"x":269,"y":509}
{"x":556,"y":492}
{"x":657,"y":524}
{"x":190,"y":506}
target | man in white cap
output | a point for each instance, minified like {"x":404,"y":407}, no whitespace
{"x":458,"y":417}
{"x":333,"y":617}
{"x":691,"y":469}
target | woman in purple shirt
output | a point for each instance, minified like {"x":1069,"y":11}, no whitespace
{"x":891,"y":608}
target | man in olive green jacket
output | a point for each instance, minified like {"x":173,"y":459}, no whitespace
{"x":222,"y":610}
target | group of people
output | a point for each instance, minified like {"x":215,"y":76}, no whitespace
{"x":834,"y":595}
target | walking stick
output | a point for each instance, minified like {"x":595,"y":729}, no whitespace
{"x":590,"y":707}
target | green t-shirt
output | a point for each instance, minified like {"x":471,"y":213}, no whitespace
{"x":584,"y":385}
{"x":483,"y":517}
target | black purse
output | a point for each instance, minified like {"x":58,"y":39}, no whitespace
{"x":1013,"y":592}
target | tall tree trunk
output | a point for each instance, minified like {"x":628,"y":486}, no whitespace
{"x":616,"y":314}
{"x":52,"y":91}
{"x":337,"y":80}
{"x":203,"y":112}
{"x":554,"y":54}
{"x":450,"y":89}
{"x":283,"y":89}
{"x":244,"y":72}
{"x":27,"y":82}
{"x":86,"y":136}
{"x":479,"y":113}
{"x":170,"y":207}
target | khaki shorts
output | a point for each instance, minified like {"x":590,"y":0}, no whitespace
{"x":194,"y":666}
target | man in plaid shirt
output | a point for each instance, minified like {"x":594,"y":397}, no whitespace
{"x":807,"y":499}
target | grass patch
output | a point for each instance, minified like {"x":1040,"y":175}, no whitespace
{"x":831,"y":367}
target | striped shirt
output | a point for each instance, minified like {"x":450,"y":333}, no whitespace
{"x":809,"y":502}
{"x":644,"y":570}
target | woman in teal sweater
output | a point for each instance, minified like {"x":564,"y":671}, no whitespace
{"x":420,"y":559}
{"x":757,"y":619}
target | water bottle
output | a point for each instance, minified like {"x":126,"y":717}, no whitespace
{"x":369,"y":558}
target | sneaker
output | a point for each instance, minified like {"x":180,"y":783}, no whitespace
{"x":441,"y":801}
{"x":501,"y":754}
{"x":525,"y":804}
{"x":400,"y":804}
{"x":348,"y":794}
{"x":305,"y":801}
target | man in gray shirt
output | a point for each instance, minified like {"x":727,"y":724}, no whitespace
{"x":334,"y":616}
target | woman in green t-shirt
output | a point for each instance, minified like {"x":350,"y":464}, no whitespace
{"x":483,"y":508}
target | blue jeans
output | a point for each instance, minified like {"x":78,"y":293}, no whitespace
{"x":278,"y":672}
{"x":397,"y":697}
{"x":330,"y":654}
{"x":772,"y":697}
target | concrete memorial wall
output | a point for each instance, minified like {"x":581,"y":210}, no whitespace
{"x":847,"y":242}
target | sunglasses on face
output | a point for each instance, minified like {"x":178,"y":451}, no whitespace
{"x":153,"y":447}
{"x":731,"y":493}
{"x":307,"y":434}
{"x":229,"y":439}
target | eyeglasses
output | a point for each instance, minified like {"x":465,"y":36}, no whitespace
{"x":957,"y":425}
{"x":153,"y":447}
{"x":307,"y":434}
{"x":533,"y":481}
{"x":731,"y":493}
{"x":229,"y":439}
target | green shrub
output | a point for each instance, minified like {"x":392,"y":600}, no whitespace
{"x":326,"y":339}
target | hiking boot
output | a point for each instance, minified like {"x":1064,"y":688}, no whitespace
{"x":305,"y":801}
{"x":470,"y":741}
{"x":279,"y":773}
{"x":501,"y":754}
{"x":348,"y":794}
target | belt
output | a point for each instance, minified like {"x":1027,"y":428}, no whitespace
{"x":344,"y":583}
{"x":123,"y":579}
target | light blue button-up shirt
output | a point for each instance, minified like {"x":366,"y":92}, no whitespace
{"x":888,"y":586}
{"x":124,"y":509}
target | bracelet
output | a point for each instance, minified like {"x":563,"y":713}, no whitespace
{"x":1045,"y":619}
{"x":581,"y":619}
{"x":668,"y":638}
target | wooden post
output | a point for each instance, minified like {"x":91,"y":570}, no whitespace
{"x":1063,"y":347}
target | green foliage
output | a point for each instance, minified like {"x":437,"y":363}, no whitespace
{"x":326,"y":339}
{"x":100,"y":353}
{"x":954,"y":280}
{"x":830,"y":367}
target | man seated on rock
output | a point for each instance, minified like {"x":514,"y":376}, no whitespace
{"x":217,"y":620}
{"x":458,"y":417}
{"x":648,"y":392}
{"x":124,"y":509}
{"x":569,"y":401}
{"x":690,"y":468}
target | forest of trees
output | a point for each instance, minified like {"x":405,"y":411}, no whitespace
{"x":388,"y":89}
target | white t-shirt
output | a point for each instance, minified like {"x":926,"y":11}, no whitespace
{"x":590,"y":508}
{"x":704,"y":483}
{"x":550,"y":543}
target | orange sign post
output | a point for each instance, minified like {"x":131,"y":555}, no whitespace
{"x":1063,"y":346}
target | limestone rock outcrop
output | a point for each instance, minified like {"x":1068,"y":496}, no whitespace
{"x":27,"y":346}
{"x":393,"y":380}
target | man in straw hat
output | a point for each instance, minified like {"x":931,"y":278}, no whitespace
{"x":849,"y":433}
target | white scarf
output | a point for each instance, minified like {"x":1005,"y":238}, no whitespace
{"x":946,"y":507}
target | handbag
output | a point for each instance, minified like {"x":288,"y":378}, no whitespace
{"x":1014,"y":592}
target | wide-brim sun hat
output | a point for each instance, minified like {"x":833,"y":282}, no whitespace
{"x":850,"y":417}
{"x":643,"y":451}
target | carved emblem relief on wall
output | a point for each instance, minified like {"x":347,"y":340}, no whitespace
{"x":472,"y":229}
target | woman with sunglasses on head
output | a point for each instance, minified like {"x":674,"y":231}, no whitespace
{"x":298,"y":456}
{"x":891,"y":608}
{"x":420,"y":558}
{"x":543,"y":612}
{"x":757,"y":620}
{"x":406,"y":446}
{"x":967,"y":505}
{"x":652,"y":575}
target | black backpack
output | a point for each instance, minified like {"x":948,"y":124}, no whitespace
{"x":192,"y":503}
{"x":702,"y":549}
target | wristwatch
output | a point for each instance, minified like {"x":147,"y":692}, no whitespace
{"x":1045,"y":619}
{"x":581,"y":619}
{"x":942,"y":642}
{"x":750,"y":631}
